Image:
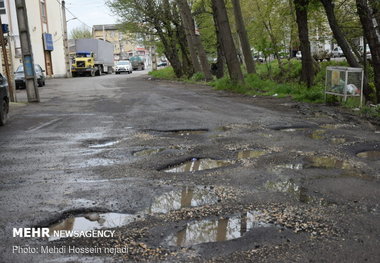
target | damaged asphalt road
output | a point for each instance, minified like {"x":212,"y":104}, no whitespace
{"x":182,"y":172}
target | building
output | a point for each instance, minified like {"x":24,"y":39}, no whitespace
{"x":124,"y":44}
{"x":45,"y":19}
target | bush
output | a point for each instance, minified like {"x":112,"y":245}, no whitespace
{"x":165,"y":73}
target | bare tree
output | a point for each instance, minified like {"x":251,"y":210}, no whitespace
{"x":227,"y":42}
{"x":242,"y":32}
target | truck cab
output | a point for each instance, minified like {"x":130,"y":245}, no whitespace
{"x":83,"y":63}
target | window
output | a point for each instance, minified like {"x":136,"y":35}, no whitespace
{"x":43,"y":11}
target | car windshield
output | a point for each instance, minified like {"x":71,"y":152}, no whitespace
{"x":123,"y":63}
{"x":20,"y":69}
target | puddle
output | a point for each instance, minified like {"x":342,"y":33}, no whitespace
{"x":187,"y":197}
{"x":336,"y":126}
{"x":148,"y":152}
{"x":327,"y":162}
{"x":247,"y":154}
{"x":101,"y":143}
{"x":92,"y":221}
{"x":184,"y":132}
{"x":318,"y":134}
{"x":292,"y":129}
{"x":217,"y":230}
{"x":297,"y":166}
{"x":198,"y":165}
{"x":338,"y":140}
{"x":289,"y":186}
{"x":370,"y":155}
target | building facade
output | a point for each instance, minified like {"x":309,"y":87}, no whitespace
{"x":45,"y":19}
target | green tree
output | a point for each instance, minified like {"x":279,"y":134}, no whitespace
{"x":80,"y":32}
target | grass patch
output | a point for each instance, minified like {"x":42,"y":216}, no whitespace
{"x":165,"y":73}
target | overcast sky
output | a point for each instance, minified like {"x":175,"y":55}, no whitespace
{"x":90,"y":12}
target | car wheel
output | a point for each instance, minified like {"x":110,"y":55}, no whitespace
{"x":4,"y":112}
{"x":39,"y":82}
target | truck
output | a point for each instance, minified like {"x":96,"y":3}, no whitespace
{"x":92,"y":57}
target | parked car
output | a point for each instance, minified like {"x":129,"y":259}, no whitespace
{"x":162,"y":63}
{"x":20,"y":78}
{"x":123,"y":66}
{"x":4,"y":103}
{"x":299,"y":55}
{"x":137,"y":63}
{"x":337,"y":52}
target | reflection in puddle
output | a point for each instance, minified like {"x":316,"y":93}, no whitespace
{"x":198,"y":165}
{"x":297,"y":166}
{"x":289,"y":186}
{"x":148,"y":152}
{"x":327,"y":162}
{"x":102,"y":143}
{"x":217,"y":230}
{"x":293,"y":129}
{"x":250,"y":154}
{"x":370,"y":155}
{"x":318,"y":134}
{"x":92,"y":221}
{"x":187,"y":197}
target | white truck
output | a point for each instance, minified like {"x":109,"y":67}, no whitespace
{"x":92,"y":57}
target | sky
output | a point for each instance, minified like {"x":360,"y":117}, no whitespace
{"x":89,"y":12}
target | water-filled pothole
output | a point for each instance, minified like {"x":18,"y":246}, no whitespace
{"x":217,"y":230}
{"x":318,"y":134}
{"x":101,"y":143}
{"x":327,"y":162}
{"x":289,"y":186}
{"x":187,"y":197}
{"x":337,"y":140}
{"x":92,"y":221}
{"x":183,"y":132}
{"x":248,"y":154}
{"x":147,"y":152}
{"x":195,"y":164}
{"x":292,"y":166}
{"x":370,"y":155}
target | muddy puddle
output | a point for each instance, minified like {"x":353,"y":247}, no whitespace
{"x":370,"y":155}
{"x":317,"y":134}
{"x":292,"y":166}
{"x":147,"y":152}
{"x":186,"y":197}
{"x":195,"y":165}
{"x":217,"y":230}
{"x":327,"y":162}
{"x":338,"y":140}
{"x":289,"y":186}
{"x":92,"y":221}
{"x":184,"y":132}
{"x":248,"y":154}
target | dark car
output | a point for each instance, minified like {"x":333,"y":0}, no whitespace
{"x":20,"y":78}
{"x":137,"y":63}
{"x":4,"y":96}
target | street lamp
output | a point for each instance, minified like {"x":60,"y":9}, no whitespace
{"x":71,"y":19}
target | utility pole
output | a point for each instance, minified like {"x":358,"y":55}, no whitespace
{"x":12,"y":93}
{"x":65,"y":41}
{"x":27,"y":53}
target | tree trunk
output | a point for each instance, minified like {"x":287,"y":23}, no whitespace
{"x":338,"y":34}
{"x":189,"y":38}
{"x":245,"y":46}
{"x":219,"y":65}
{"x":371,"y":33}
{"x":307,"y":74}
{"x":228,"y":46}
{"x":195,"y":41}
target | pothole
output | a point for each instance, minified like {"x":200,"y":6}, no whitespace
{"x":338,"y":140}
{"x":183,"y":132}
{"x":101,"y":143}
{"x":187,"y":197}
{"x":318,"y":134}
{"x":327,"y":162}
{"x":247,"y":154}
{"x":92,"y":221}
{"x":217,"y":230}
{"x":370,"y":155}
{"x":147,"y":152}
{"x":289,"y":186}
{"x":292,"y":166}
{"x":195,"y":165}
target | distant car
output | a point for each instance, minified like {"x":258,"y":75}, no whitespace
{"x":299,"y":55}
{"x":137,"y":63}
{"x":162,"y":64}
{"x":337,"y":52}
{"x":20,"y":78}
{"x":258,"y":58}
{"x":123,"y":66}
{"x":4,"y":103}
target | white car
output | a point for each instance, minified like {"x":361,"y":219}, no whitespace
{"x":337,"y":52}
{"x":123,"y":66}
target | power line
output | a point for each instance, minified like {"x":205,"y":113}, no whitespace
{"x":74,"y":16}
